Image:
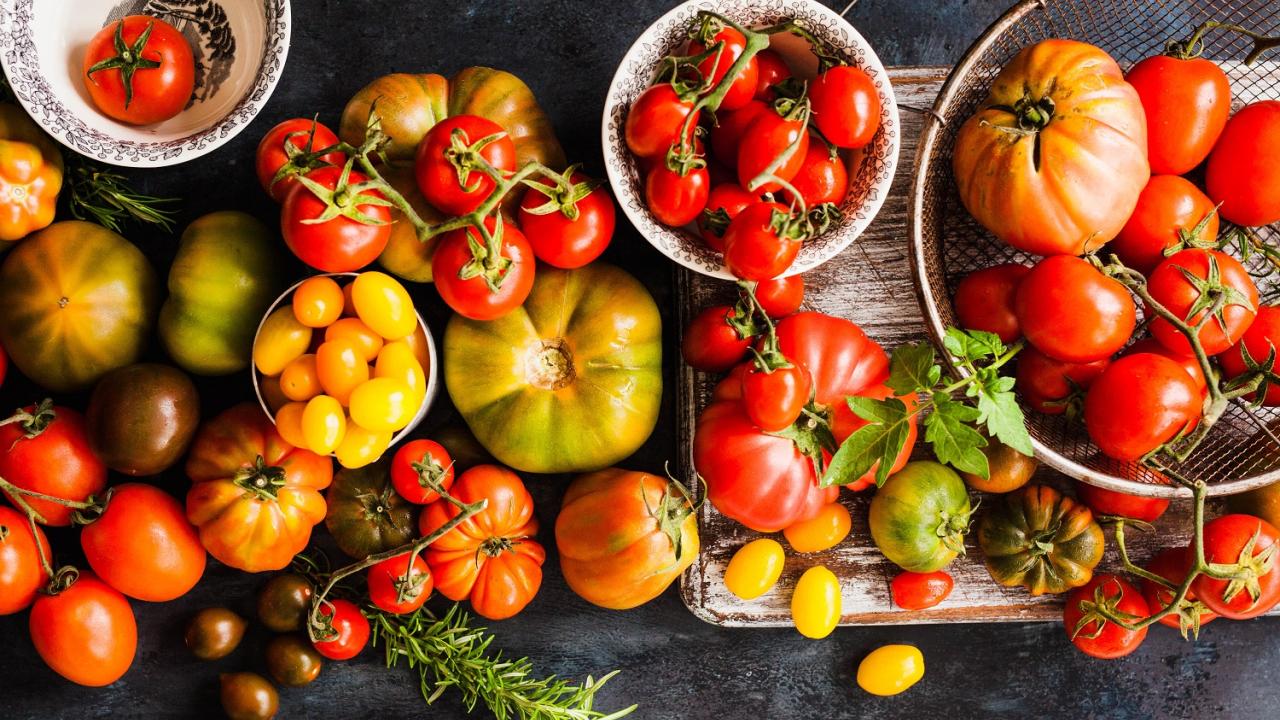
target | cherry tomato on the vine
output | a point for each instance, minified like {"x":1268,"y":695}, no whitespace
{"x":1248,"y":544}
{"x":772,"y":70}
{"x":754,"y":249}
{"x":283,"y":143}
{"x":1094,"y":635}
{"x":713,"y":342}
{"x":984,"y":300}
{"x":1047,"y":385}
{"x":674,"y":199}
{"x":450,"y":161}
{"x":822,"y":177}
{"x":846,"y":106}
{"x":1261,"y":340}
{"x":139,"y":70}
{"x":350,"y":630}
{"x":397,"y":587}
{"x":49,"y":453}
{"x":343,"y":243}
{"x":1242,"y":174}
{"x":1185,"y":281}
{"x":917,"y":591}
{"x":716,"y":67}
{"x":575,"y":235}
{"x":1187,"y":103}
{"x":820,"y":532}
{"x":1166,"y":205}
{"x":1139,"y":403}
{"x":414,"y":459}
{"x":1172,"y":564}
{"x":724,"y":203}
{"x":1110,"y":502}
{"x":775,"y":398}
{"x":654,"y":121}
{"x":771,"y":135}
{"x":780,"y":297}
{"x":731,"y":127}
{"x":471,"y":296}
{"x":1102,"y":314}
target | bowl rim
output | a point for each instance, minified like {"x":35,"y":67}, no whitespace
{"x":851,"y":228}
{"x":30,"y":86}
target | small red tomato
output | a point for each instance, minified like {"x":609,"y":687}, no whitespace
{"x":769,"y":136}
{"x":349,"y":630}
{"x":1248,"y":544}
{"x":715,"y":340}
{"x":1102,"y":314}
{"x":1167,"y":205}
{"x":1261,"y":340}
{"x":1187,"y":103}
{"x":773,"y":70}
{"x":1179,"y":283}
{"x":1188,"y":362}
{"x":674,"y":199}
{"x":472,"y":297}
{"x":822,"y":177}
{"x":984,"y":300}
{"x":139,"y":70}
{"x":50,"y":454}
{"x":1094,"y":635}
{"x":780,"y":297}
{"x":654,"y":121}
{"x":1243,"y":174}
{"x":1139,"y":403}
{"x":568,"y":226}
{"x":413,"y":461}
{"x":341,"y":243}
{"x":86,"y":633}
{"x":1172,"y":564}
{"x":1109,"y":502}
{"x":284,"y":142}
{"x":727,"y":133}
{"x":723,"y":205}
{"x":753,"y":247}
{"x":1048,"y":385}
{"x":917,"y":591}
{"x":396,"y":587}
{"x":716,"y":67}
{"x":449,"y":162}
{"x":846,"y":106}
{"x":775,"y":398}
{"x":22,"y":575}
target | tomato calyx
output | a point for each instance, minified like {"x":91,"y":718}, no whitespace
{"x":952,"y":530}
{"x":61,"y":580}
{"x":487,"y":260}
{"x":811,"y":434}
{"x":1214,"y":295}
{"x":34,"y":421}
{"x":260,"y":479}
{"x":1257,"y":378}
{"x":301,"y":160}
{"x":467,"y":159}
{"x":674,"y":507}
{"x":128,"y":60}
{"x":549,"y":365}
{"x":345,"y":199}
{"x":431,"y":473}
{"x":1246,"y":571}
{"x":1096,"y":613}
{"x":563,"y":194}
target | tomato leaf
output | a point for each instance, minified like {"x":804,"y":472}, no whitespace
{"x":913,"y":369}
{"x":972,"y":346}
{"x":999,"y":410}
{"x":949,"y":429}
{"x":879,"y":441}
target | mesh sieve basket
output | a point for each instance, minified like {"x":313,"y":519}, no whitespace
{"x":1243,"y":450}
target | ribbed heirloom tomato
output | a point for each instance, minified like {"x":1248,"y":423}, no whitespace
{"x":1040,"y":539}
{"x":48,"y":452}
{"x":142,"y":544}
{"x":86,"y":632}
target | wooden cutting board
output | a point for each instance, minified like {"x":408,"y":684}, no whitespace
{"x":870,"y":283}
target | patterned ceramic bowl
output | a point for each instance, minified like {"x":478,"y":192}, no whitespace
{"x":870,"y":169}
{"x":239,"y":46}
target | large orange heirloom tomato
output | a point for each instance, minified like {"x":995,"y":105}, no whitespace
{"x":254,"y":497}
{"x":624,"y":536}
{"x":491,"y":557}
{"x":29,"y":186}
{"x":1056,"y":156}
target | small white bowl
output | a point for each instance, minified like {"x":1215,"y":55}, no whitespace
{"x":239,"y":45}
{"x":870,"y":169}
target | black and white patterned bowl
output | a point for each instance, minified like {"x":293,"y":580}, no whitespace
{"x":870,"y":169}
{"x":239,"y":46}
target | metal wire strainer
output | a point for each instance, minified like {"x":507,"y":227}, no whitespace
{"x":1243,"y":451}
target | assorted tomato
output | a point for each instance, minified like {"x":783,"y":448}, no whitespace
{"x":1102,"y":319}
{"x":919,"y":591}
{"x":139,"y":70}
{"x":1239,"y":175}
{"x":86,"y":632}
{"x":1098,"y":636}
{"x":282,"y":154}
{"x":1139,"y":403}
{"x":333,"y":224}
{"x":984,"y":300}
{"x":142,"y":544}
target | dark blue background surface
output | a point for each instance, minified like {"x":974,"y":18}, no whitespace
{"x":673,"y":665}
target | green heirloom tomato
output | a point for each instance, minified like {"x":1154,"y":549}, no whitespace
{"x":571,"y":382}
{"x":221,"y":283}
{"x":920,"y":516}
{"x":365,"y":514}
{"x":1040,"y":539}
{"x":79,"y":301}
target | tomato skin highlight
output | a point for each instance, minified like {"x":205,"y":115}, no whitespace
{"x":1138,"y":403}
{"x":1242,"y":172}
{"x":1167,"y":204}
{"x":1103,"y":316}
{"x":985,"y":300}
{"x":1112,"y":641}
{"x":918,"y":591}
{"x":86,"y":633}
{"x":1186,"y":103}
{"x":654,"y":121}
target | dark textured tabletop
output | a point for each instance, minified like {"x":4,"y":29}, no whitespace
{"x":672,"y":664}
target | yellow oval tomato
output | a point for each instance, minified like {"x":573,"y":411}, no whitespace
{"x":323,"y":424}
{"x":397,"y":361}
{"x":280,"y":340}
{"x":340,"y":366}
{"x":891,"y":669}
{"x":355,"y":330}
{"x":754,"y":568}
{"x":816,"y":603}
{"x":289,"y":423}
{"x":822,"y":532}
{"x":360,"y":446}
{"x":384,"y":305}
{"x":299,"y":380}
{"x":382,"y":404}
{"x":318,"y":302}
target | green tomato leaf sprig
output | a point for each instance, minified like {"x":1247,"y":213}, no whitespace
{"x":966,"y":407}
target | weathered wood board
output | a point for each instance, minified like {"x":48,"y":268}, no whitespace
{"x":870,"y":283}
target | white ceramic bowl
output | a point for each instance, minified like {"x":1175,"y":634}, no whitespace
{"x":239,"y":45}
{"x":870,"y":169}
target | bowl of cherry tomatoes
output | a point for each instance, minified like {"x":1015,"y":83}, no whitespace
{"x":144,"y":84}
{"x":344,"y":365}
{"x":776,"y":113}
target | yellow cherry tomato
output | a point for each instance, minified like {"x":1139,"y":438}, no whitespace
{"x":816,"y":603}
{"x":280,"y":339}
{"x":340,"y":365}
{"x":382,"y":404}
{"x":397,"y":361}
{"x":299,"y":380}
{"x":418,"y":341}
{"x":359,"y":446}
{"x":271,"y":392}
{"x":822,"y":532}
{"x":354,"y":329}
{"x":323,"y":424}
{"x":384,"y":305}
{"x":318,"y":302}
{"x":891,"y":669}
{"x":289,"y":423}
{"x":754,"y":569}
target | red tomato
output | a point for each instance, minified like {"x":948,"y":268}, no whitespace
{"x":713,"y":341}
{"x":1095,"y":636}
{"x":1167,"y":205}
{"x":350,"y":630}
{"x":1102,"y":314}
{"x":917,"y":591}
{"x":1248,"y":542}
{"x":1242,"y":174}
{"x":772,"y":70}
{"x":1188,"y":362}
{"x":674,"y":199}
{"x":340,"y":244}
{"x":87,"y":633}
{"x":1261,"y":340}
{"x":1170,"y":286}
{"x":724,"y":203}
{"x":753,"y":249}
{"x":654,"y":121}
{"x":727,"y":133}
{"x":1187,"y":103}
{"x":1109,"y":502}
{"x":578,"y":227}
{"x":767,"y":137}
{"x":21,"y":573}
{"x":822,"y":177}
{"x":1139,"y":403}
{"x":1047,"y":385}
{"x":449,"y":162}
{"x":774,"y":399}
{"x":143,"y":545}
{"x":414,"y":460}
{"x":54,"y":460}
{"x":846,"y":106}
{"x":135,"y":79}
{"x":716,"y":67}
{"x":472,"y":297}
{"x":844,"y":423}
{"x":396,"y":588}
{"x":780,"y":297}
{"x":280,"y":147}
{"x":1172,"y":564}
{"x":984,"y":300}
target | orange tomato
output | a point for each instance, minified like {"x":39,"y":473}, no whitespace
{"x":280,"y":339}
{"x":87,"y":633}
{"x":360,"y":334}
{"x":384,"y":305}
{"x":143,"y":545}
{"x":341,"y":366}
{"x":289,"y":423}
{"x":300,"y":381}
{"x":821,"y":532}
{"x":318,"y":302}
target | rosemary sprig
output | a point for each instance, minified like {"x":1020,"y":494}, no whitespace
{"x":105,"y":197}
{"x":448,"y":653}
